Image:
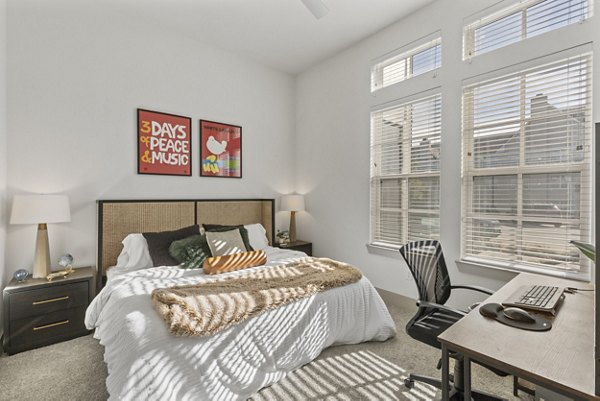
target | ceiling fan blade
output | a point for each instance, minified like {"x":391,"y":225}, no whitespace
{"x":316,"y":7}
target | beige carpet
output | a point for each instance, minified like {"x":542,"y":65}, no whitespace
{"x":74,"y":370}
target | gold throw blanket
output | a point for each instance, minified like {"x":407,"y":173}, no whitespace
{"x":208,"y":308}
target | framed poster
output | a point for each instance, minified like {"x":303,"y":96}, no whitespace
{"x":220,"y":150}
{"x":164,"y":143}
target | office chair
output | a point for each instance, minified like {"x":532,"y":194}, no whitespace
{"x":428,"y":267}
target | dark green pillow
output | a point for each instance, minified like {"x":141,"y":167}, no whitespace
{"x":221,"y":228}
{"x":159,"y":242}
{"x":194,"y":257}
{"x":179,"y":249}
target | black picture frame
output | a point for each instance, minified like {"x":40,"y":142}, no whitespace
{"x":138,"y":157}
{"x":208,"y":127}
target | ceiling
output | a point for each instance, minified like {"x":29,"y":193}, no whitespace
{"x":282,"y":34}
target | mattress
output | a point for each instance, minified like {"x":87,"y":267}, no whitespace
{"x":145,"y":362}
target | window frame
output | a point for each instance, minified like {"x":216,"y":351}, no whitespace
{"x":405,"y":56}
{"x":470,"y":171}
{"x":406,"y":174}
{"x":490,"y":17}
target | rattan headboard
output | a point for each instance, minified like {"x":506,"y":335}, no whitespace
{"x":117,"y":218}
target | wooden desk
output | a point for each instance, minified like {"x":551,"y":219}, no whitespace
{"x":561,"y":359}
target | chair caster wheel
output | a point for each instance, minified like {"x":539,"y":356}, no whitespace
{"x":409,"y":383}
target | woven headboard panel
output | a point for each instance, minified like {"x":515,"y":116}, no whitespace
{"x":118,"y":218}
{"x":123,"y":218}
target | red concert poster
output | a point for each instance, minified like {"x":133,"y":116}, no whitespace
{"x":221,"y":150}
{"x":164,"y":143}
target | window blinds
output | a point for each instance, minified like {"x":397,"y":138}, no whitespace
{"x":526,"y":166}
{"x":416,"y":61}
{"x":405,"y":172}
{"x":524,"y":20}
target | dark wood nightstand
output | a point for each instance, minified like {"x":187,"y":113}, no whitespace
{"x":302,"y":246}
{"x":39,"y":312}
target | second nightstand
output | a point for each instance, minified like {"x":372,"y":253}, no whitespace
{"x":40,"y":312}
{"x":302,"y":246}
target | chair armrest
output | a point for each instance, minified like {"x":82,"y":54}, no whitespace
{"x":472,"y":287}
{"x":425,"y":304}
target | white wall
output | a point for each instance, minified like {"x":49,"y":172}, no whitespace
{"x":332,"y":124}
{"x":77,"y":71}
{"x":3,"y":165}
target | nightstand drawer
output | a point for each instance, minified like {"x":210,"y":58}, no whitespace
{"x":41,"y":330}
{"x":306,"y":248}
{"x":41,"y":301}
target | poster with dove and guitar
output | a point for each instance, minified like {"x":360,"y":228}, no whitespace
{"x":221,"y":150}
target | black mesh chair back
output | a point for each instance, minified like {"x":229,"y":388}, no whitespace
{"x":428,"y":267}
{"x":425,"y":260}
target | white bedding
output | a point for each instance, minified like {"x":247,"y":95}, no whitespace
{"x":145,"y":362}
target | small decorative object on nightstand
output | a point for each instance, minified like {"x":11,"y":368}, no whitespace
{"x":21,"y":275}
{"x":66,"y":260}
{"x":283,"y":237}
{"x":298,"y":245}
{"x":38,"y":312}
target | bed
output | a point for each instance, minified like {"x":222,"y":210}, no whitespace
{"x":146,"y":362}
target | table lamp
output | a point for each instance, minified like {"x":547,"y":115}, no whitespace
{"x":40,"y":210}
{"x":293,"y":204}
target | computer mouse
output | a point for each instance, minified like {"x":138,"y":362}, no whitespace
{"x":518,"y":314}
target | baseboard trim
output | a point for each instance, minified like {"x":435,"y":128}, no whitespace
{"x":391,"y":298}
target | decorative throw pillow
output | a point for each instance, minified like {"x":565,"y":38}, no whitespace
{"x":194,"y":257}
{"x":239,"y":261}
{"x":135,"y":254}
{"x":225,"y":242}
{"x":158,"y":244}
{"x":257,"y":235}
{"x":220,"y":227}
{"x":179,"y":249}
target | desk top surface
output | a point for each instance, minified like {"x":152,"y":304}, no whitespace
{"x":562,"y":358}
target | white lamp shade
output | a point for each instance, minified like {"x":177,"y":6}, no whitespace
{"x":292,"y":203}
{"x":39,"y":209}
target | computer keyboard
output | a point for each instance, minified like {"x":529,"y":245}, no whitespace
{"x":542,"y":298}
{"x":537,"y":295}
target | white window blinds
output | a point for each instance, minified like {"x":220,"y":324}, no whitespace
{"x":526,"y":166}
{"x":524,"y":20}
{"x":416,"y":61}
{"x":405,"y":172}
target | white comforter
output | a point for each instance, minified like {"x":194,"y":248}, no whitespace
{"x":145,"y":362}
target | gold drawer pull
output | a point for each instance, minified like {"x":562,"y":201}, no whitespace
{"x":47,"y":301}
{"x":47,"y":326}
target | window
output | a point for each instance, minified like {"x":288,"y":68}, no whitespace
{"x":526,"y":166}
{"x":405,"y":172}
{"x":416,"y":61}
{"x":522,"y":21}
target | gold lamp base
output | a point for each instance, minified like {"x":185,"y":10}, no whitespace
{"x":41,"y":261}
{"x":293,"y":227}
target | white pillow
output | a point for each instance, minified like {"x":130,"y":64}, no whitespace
{"x":257,"y":236}
{"x":135,"y":254}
